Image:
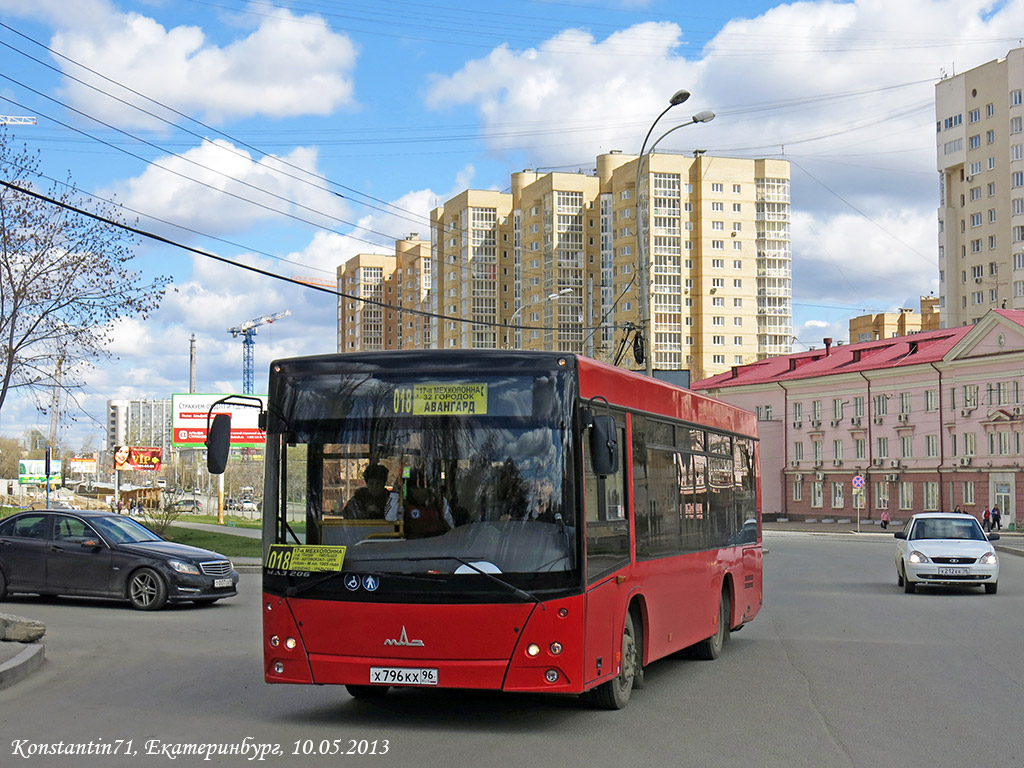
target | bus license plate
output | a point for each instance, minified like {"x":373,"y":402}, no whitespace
{"x":221,"y":583}
{"x":403,"y":676}
{"x":953,"y":571}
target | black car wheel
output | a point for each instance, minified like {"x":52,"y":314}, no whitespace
{"x":147,"y":590}
{"x":3,"y":587}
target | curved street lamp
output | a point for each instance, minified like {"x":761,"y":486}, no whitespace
{"x":550,"y":297}
{"x":643,"y":265}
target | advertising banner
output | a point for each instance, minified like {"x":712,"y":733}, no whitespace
{"x":33,"y":472}
{"x":189,"y":420}
{"x":85,"y":465}
{"x":129,"y":457}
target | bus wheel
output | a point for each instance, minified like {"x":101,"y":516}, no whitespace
{"x":615,"y":693}
{"x":711,"y":649}
{"x":367,"y":692}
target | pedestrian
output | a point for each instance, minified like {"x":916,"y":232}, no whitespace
{"x":957,"y":509}
{"x":986,"y":520}
{"x":997,"y":518}
{"x":885,"y":519}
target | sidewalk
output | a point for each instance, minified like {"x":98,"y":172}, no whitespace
{"x":1011,"y":543}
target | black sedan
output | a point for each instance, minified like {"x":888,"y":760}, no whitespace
{"x":101,"y":554}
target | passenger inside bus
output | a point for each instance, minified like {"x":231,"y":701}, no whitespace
{"x":369,"y":502}
{"x":424,"y":512}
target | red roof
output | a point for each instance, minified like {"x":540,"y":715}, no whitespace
{"x":918,"y":348}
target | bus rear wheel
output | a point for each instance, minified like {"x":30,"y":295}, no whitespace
{"x":615,"y":693}
{"x":711,"y":649}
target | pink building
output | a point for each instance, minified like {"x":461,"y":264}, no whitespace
{"x":930,"y":421}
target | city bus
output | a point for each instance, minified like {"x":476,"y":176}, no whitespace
{"x":503,"y":520}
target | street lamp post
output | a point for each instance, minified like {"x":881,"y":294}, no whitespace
{"x":551,"y":297}
{"x":642,"y":217}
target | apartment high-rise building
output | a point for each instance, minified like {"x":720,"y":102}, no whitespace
{"x":139,"y":422}
{"x":552,"y":265}
{"x":887,"y":325}
{"x":361,"y":325}
{"x":980,"y":157}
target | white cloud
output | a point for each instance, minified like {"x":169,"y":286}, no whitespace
{"x":218,"y":187}
{"x":290,"y":65}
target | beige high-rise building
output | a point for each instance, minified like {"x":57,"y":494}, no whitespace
{"x":361,"y":325}
{"x":887,"y":325}
{"x":552,"y":265}
{"x":980,"y":157}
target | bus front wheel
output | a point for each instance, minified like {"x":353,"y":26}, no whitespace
{"x":711,"y":649}
{"x":615,"y":693}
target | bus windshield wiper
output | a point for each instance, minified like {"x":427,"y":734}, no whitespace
{"x":517,"y":591}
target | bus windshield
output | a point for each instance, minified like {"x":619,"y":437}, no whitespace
{"x":434,"y":476}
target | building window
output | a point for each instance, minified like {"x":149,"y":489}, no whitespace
{"x":931,"y":446}
{"x":798,"y":491}
{"x":717,"y":188}
{"x":931,"y":496}
{"x":1015,"y":97}
{"x":859,"y":448}
{"x":882,"y":447}
{"x":837,"y":450}
{"x":798,"y":447}
{"x":968,"y":491}
{"x":881,"y":495}
{"x":837,"y":495}
{"x":906,"y":496}
{"x":906,"y":448}
{"x":817,"y":495}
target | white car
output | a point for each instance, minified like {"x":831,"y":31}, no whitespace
{"x":946,"y":548}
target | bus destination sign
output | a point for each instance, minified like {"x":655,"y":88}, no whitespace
{"x":442,"y":400}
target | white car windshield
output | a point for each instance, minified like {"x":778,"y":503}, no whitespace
{"x":966,"y":528}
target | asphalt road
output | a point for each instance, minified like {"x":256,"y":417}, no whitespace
{"x":840,"y":669}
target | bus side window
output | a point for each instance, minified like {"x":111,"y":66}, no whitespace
{"x":605,"y":506}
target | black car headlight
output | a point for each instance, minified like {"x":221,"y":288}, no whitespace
{"x":182,"y":567}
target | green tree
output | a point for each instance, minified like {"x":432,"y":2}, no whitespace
{"x":65,"y":279}
{"x":11,"y":449}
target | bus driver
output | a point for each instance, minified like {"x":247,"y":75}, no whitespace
{"x":369,"y":502}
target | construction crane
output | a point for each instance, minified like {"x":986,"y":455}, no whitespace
{"x":247,"y":331}
{"x":16,"y":120}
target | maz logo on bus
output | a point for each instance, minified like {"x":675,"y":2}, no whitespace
{"x":403,"y":639}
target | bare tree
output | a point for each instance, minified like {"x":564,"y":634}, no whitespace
{"x":65,"y":278}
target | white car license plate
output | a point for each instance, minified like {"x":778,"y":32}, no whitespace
{"x":954,"y":571}
{"x":403,"y":676}
{"x":219,"y":583}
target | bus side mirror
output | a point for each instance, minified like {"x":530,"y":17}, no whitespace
{"x":218,"y":441}
{"x":604,"y":445}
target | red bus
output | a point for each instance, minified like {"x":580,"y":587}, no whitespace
{"x":506,"y":520}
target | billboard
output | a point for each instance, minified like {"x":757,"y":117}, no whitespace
{"x":188,"y":422}
{"x":83,"y":465}
{"x":33,"y":472}
{"x":130,"y":457}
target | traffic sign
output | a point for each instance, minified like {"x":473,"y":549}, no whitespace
{"x":858,"y":481}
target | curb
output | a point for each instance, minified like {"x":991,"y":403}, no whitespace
{"x":22,"y":665}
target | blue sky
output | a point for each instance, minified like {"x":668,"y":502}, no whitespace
{"x":300,"y":133}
